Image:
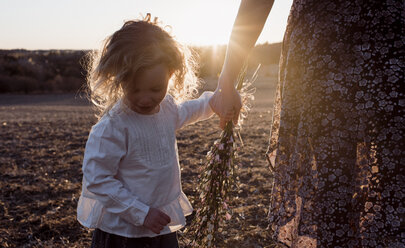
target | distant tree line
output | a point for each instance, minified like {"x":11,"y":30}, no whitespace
{"x":41,"y":71}
{"x":211,"y":58}
{"x":56,"y":71}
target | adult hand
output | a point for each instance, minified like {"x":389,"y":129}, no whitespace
{"x":226,"y":103}
{"x":156,"y":220}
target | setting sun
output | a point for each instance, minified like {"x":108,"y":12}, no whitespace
{"x":79,"y":24}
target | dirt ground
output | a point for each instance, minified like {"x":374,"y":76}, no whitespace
{"x":42,"y":140}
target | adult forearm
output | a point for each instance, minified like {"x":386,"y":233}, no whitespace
{"x":247,"y":27}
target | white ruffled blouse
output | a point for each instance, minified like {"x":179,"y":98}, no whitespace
{"x":131,"y":164}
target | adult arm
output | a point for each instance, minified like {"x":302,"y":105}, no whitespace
{"x":246,"y":29}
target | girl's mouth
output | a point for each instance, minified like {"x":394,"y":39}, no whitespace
{"x":146,"y":110}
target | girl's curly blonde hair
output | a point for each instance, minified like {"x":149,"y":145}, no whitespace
{"x":138,"y":44}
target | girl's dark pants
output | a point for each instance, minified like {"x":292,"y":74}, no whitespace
{"x":103,"y":239}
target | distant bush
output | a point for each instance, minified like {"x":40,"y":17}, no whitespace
{"x":45,"y":71}
{"x":211,"y":58}
{"x":23,"y":71}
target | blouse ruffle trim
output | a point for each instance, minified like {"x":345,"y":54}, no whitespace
{"x":92,"y":214}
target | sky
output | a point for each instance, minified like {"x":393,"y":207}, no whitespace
{"x":84,"y":24}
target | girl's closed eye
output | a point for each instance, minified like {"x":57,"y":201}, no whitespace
{"x":158,"y":89}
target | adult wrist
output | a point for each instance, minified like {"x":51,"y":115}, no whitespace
{"x":225,"y":82}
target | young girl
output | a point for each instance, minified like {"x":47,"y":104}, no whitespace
{"x":131,"y":190}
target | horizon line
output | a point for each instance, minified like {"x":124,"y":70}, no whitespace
{"x":88,"y":49}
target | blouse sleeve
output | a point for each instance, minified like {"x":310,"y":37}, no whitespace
{"x":105,"y":147}
{"x":194,"y":110}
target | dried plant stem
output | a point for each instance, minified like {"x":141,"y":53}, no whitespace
{"x":218,"y":178}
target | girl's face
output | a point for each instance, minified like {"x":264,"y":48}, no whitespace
{"x":147,"y":89}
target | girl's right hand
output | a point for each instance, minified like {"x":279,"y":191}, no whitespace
{"x":156,"y":220}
